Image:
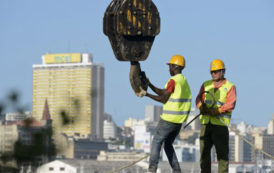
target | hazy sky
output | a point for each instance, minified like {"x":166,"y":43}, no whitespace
{"x":239,"y":32}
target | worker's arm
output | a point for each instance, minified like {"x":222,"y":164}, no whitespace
{"x":200,"y":101}
{"x":163,"y":98}
{"x":162,"y":94}
{"x":200,"y":96}
{"x":158,"y":91}
{"x":230,"y":101}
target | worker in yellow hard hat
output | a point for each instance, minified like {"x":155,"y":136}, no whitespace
{"x":176,"y":97}
{"x":215,"y":118}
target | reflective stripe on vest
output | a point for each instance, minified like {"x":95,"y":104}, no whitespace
{"x":179,"y":100}
{"x":176,"y":112}
{"x":178,"y":106}
{"x":220,"y":98}
{"x":222,"y":115}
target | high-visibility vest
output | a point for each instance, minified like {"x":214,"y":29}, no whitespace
{"x":220,"y":99}
{"x":178,"y":106}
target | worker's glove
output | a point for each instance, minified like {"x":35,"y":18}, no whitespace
{"x":214,"y":111}
{"x":203,"y":109}
{"x":142,"y":92}
{"x":147,"y":81}
{"x":144,"y":79}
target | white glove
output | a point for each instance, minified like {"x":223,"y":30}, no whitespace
{"x":142,"y":92}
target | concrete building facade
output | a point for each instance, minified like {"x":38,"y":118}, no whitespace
{"x":8,"y":136}
{"x":110,"y":129}
{"x":74,"y":88}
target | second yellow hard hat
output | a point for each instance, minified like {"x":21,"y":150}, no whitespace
{"x":177,"y":60}
{"x":217,"y":64}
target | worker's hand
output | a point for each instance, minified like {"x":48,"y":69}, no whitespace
{"x":142,"y":92}
{"x":214,"y":111}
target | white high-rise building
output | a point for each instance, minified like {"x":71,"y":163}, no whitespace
{"x":110,"y":129}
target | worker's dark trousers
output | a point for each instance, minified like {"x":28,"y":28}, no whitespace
{"x":219,"y":137}
{"x":166,"y":133}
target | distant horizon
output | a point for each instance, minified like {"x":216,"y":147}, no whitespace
{"x":122,"y":123}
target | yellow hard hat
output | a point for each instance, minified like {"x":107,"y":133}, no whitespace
{"x":217,"y":64}
{"x":177,"y":60}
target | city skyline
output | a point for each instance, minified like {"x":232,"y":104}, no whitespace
{"x":240,"y":33}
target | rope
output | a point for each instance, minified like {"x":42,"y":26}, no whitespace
{"x":127,"y":166}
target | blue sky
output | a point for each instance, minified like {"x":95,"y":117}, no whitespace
{"x":239,"y":32}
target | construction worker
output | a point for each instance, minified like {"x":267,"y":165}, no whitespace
{"x":215,"y":118}
{"x":176,"y":97}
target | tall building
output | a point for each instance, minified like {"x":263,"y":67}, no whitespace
{"x":110,"y":128}
{"x":265,"y":142}
{"x":268,"y":145}
{"x":74,"y":87}
{"x":153,"y":113}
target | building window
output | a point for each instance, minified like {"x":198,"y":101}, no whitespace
{"x":51,"y":169}
{"x":62,"y":169}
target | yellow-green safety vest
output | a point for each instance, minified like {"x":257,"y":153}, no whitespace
{"x":220,"y":99}
{"x":178,"y":106}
